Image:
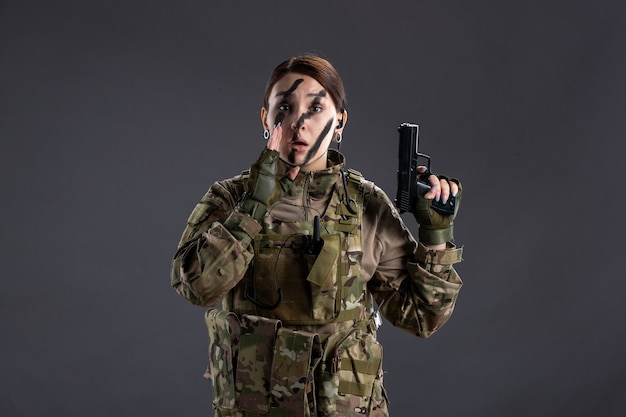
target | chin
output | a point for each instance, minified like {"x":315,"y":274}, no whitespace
{"x":295,"y":161}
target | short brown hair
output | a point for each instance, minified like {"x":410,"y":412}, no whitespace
{"x":313,"y":66}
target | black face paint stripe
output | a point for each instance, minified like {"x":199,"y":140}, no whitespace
{"x":307,"y":115}
{"x":279,"y":118}
{"x":321,"y":94}
{"x":316,"y":146}
{"x":318,"y":142}
{"x":299,"y":123}
{"x":293,"y":87}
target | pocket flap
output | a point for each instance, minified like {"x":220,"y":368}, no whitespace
{"x":321,"y":272}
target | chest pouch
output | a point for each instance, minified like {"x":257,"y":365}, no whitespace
{"x":305,"y":282}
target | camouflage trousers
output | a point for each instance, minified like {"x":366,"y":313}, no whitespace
{"x":260,"y":369}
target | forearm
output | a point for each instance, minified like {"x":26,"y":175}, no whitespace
{"x":426,"y":298}
{"x":215,"y":249}
{"x":439,"y":246}
{"x":209,"y":266}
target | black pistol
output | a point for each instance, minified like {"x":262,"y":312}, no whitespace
{"x":412,"y":184}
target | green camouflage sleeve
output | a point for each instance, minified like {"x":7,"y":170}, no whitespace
{"x":416,"y":288}
{"x":427,"y":297}
{"x":215,"y":249}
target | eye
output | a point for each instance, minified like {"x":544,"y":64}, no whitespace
{"x":316,"y":108}
{"x":284,"y":107}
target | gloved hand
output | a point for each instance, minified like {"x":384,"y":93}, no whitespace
{"x":436,"y":228}
{"x":264,"y":187}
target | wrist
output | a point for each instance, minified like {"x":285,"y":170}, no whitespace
{"x":252,"y":207}
{"x":435,"y":237}
{"x":242,"y":226}
{"x":438,"y":246}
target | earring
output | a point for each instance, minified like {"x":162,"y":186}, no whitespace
{"x":338,"y":137}
{"x":266,"y":134}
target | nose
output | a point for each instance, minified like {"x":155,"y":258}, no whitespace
{"x":294,"y":123}
{"x":288,"y":121}
{"x":297,"y":121}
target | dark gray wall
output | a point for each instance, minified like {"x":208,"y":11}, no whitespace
{"x":116,"y":116}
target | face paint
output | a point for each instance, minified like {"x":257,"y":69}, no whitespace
{"x":318,"y":142}
{"x":299,"y":102}
{"x":308,"y":115}
{"x":316,"y":146}
{"x":293,"y":87}
{"x":279,"y":118}
{"x":321,"y":94}
{"x":316,"y":101}
{"x":299,"y":124}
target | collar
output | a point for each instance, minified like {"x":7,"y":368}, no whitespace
{"x":317,"y":183}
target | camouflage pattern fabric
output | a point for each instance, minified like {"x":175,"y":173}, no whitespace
{"x":350,"y":375}
{"x":230,"y":261}
{"x":316,"y":353}
{"x":256,"y":346}
{"x":318,"y":289}
{"x":296,"y":355}
{"x":224,"y":330}
{"x":290,"y":373}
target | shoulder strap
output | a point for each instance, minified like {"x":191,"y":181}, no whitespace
{"x":239,"y":184}
{"x":355,"y":185}
{"x":350,"y":192}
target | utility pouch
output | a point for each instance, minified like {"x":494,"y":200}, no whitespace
{"x":224,"y":332}
{"x":256,"y":347}
{"x":351,"y":377}
{"x":296,"y":355}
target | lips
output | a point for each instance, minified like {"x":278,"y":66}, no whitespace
{"x":298,"y":145}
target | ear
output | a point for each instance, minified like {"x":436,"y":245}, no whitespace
{"x":264,"y":118}
{"x":342,"y":119}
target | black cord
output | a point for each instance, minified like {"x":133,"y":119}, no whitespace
{"x":279,"y":291}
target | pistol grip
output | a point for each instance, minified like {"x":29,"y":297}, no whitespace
{"x":446,"y":209}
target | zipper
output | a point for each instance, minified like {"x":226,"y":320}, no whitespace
{"x":306,"y":203}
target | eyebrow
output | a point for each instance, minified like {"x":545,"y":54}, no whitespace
{"x":321,"y":94}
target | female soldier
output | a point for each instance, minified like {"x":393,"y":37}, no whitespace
{"x":299,"y":252}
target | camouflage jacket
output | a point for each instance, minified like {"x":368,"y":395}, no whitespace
{"x":415,"y":288}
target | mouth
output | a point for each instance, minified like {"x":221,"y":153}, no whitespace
{"x":298,"y":144}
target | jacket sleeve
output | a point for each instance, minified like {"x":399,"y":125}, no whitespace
{"x":416,"y":288}
{"x":215,"y":249}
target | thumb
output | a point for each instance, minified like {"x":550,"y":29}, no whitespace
{"x":292,"y":173}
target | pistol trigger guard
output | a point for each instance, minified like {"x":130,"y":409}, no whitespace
{"x":424,"y":177}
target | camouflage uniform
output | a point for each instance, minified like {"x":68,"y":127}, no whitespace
{"x":315,"y":353}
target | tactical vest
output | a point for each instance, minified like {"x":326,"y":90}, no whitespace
{"x":316,"y":288}
{"x":266,"y":357}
